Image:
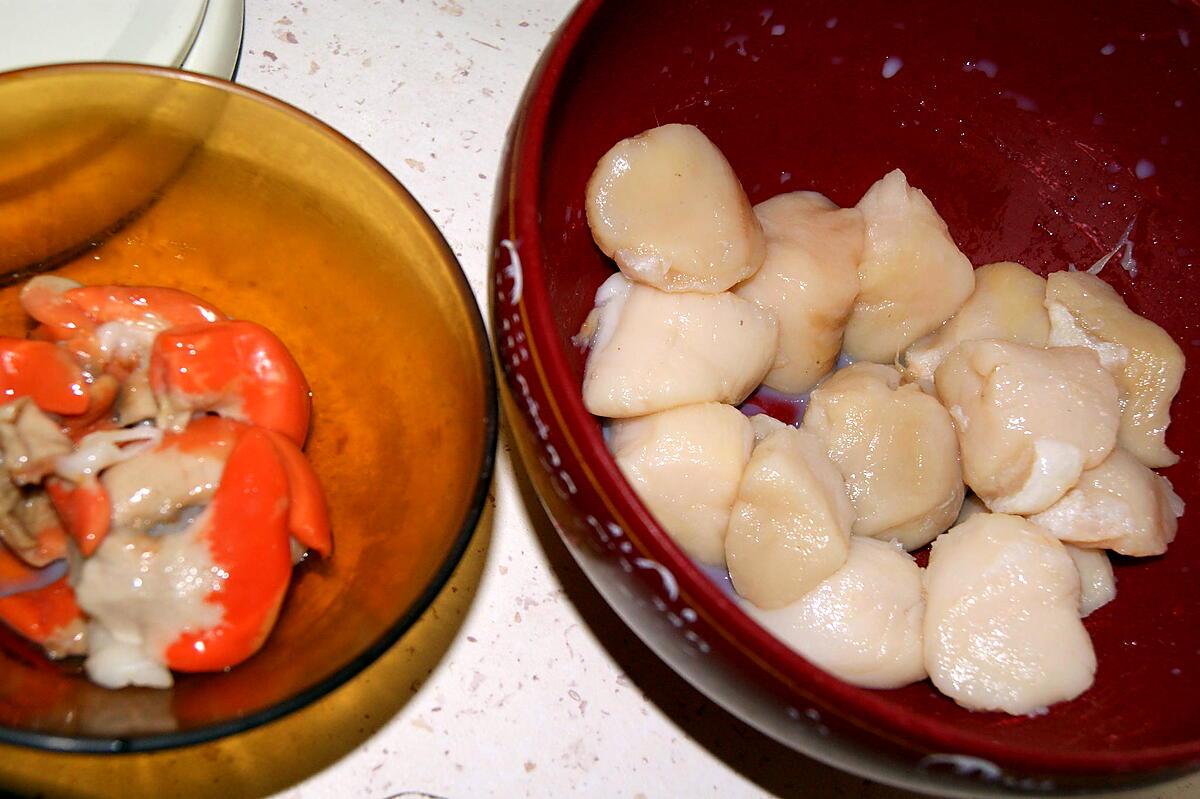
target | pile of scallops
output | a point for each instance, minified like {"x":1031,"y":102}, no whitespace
{"x":1011,"y":420}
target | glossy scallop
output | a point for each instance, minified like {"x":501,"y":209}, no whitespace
{"x":912,"y":276}
{"x":652,"y":350}
{"x":1097,"y":583}
{"x":1120,"y":505}
{"x":667,"y":207}
{"x":1147,"y":363}
{"x":896,"y":449}
{"x":809,"y":281}
{"x":1002,"y":628}
{"x":685,"y":465}
{"x":1008,"y":303}
{"x":1029,"y":420}
{"x":863,"y":623}
{"x":790,"y":527}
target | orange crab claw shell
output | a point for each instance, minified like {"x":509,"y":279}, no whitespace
{"x":85,"y":510}
{"x":102,"y":396}
{"x":308,"y":514}
{"x":39,"y":615}
{"x":236,"y":369}
{"x":45,"y":373}
{"x":246,"y":529}
{"x":45,"y":299}
{"x":102,"y":304}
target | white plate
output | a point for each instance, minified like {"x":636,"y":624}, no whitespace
{"x":54,"y":31}
{"x":215,"y":50}
{"x":200,"y":35}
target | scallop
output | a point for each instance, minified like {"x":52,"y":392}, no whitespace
{"x":809,"y":281}
{"x":863,"y":624}
{"x":1148,"y":364}
{"x":1009,"y":303}
{"x":896,"y":449}
{"x":1029,"y":420}
{"x":1097,"y":583}
{"x":1002,"y":628}
{"x":764,"y":425}
{"x":912,"y":276}
{"x":971,"y":505}
{"x":685,"y":465}
{"x":1120,"y":505}
{"x":652,"y":350}
{"x":666,"y":206}
{"x":790,"y":526}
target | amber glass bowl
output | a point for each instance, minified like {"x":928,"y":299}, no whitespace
{"x":119,"y":174}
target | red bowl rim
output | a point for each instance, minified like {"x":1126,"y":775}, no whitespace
{"x":863,"y":708}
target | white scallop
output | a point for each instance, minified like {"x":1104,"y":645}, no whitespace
{"x":652,"y":350}
{"x":1002,"y":627}
{"x":863,"y":624}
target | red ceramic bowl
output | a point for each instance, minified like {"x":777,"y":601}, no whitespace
{"x":1040,"y":130}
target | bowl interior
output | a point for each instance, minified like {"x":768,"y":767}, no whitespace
{"x":1040,"y":131}
{"x":112,"y":175}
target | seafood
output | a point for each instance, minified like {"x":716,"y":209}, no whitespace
{"x":45,"y":614}
{"x":43,"y":372}
{"x":109,"y":330}
{"x":155,"y":446}
{"x":652,"y":350}
{"x":1009,"y":422}
{"x":685,"y":464}
{"x":666,"y":206}
{"x":236,"y":369}
{"x":1002,"y":628}
{"x":208,"y":593}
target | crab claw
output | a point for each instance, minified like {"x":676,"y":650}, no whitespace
{"x":84,"y":508}
{"x":246,"y":530}
{"x":46,"y":615}
{"x":102,"y":398}
{"x":108,"y":328}
{"x":239,"y":370}
{"x":68,"y":309}
{"x":44,"y":373}
{"x":308,"y":515}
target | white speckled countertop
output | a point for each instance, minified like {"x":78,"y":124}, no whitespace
{"x":522,"y":687}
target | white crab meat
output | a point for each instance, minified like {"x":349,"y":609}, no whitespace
{"x":1120,"y":505}
{"x":1002,"y":627}
{"x":30,"y":442}
{"x":896,"y":449}
{"x":809,"y":281}
{"x":790,"y":526}
{"x":685,"y":465}
{"x":862,"y":624}
{"x":141,"y":594}
{"x":1147,"y":363}
{"x":652,"y":350}
{"x":1097,"y":583}
{"x":1009,"y":303}
{"x":1029,"y":420}
{"x":667,"y":207}
{"x":155,"y":487}
{"x":912,"y":276}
